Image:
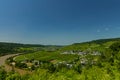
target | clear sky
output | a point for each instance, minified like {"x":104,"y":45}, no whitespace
{"x":58,"y":21}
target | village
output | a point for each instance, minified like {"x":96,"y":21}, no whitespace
{"x":34,"y":64}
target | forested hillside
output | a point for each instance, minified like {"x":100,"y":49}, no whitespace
{"x":93,"y":60}
{"x":10,"y":48}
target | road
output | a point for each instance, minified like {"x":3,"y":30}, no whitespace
{"x":9,"y":68}
{"x":3,"y":58}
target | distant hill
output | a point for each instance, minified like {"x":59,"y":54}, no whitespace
{"x":8,"y":48}
{"x":99,"y":44}
{"x":101,"y":41}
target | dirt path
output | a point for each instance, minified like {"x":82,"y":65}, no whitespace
{"x":9,"y":68}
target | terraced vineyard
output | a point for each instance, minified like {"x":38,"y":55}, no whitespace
{"x":46,"y":56}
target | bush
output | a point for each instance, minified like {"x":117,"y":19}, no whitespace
{"x":21,"y":65}
{"x":3,"y":74}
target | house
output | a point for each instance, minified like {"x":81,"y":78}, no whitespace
{"x":36,"y":63}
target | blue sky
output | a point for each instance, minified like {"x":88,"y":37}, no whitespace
{"x":58,"y":22}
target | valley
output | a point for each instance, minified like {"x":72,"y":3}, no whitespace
{"x":98,"y":59}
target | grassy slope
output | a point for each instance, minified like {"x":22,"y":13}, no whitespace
{"x":96,"y":45}
{"x":46,"y":56}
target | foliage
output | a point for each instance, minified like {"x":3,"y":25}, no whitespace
{"x":2,"y":74}
{"x":21,"y":65}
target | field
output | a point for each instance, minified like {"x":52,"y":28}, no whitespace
{"x":46,"y":56}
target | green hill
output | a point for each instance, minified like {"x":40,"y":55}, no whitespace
{"x":99,"y":45}
{"x":9,"y":48}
